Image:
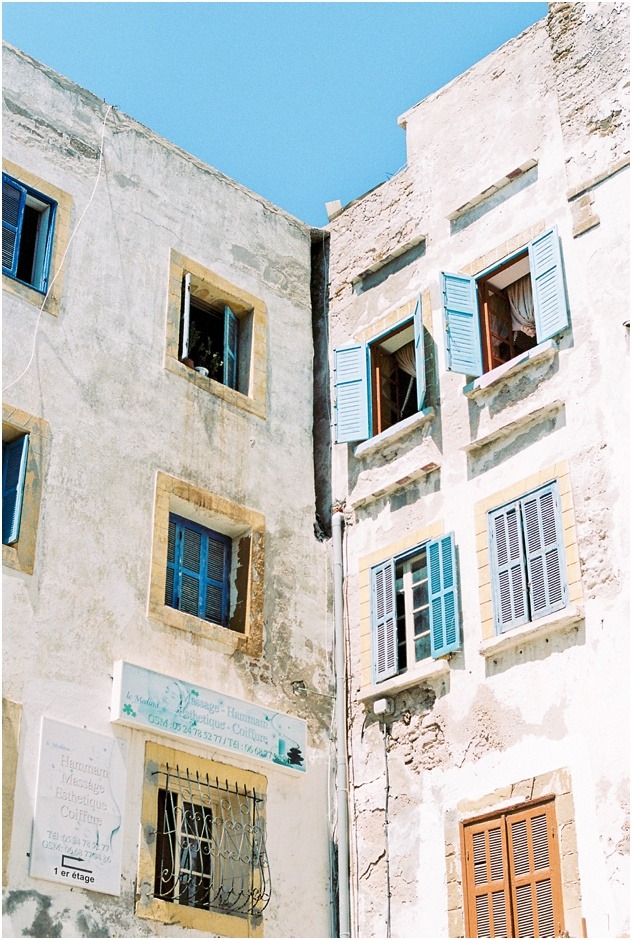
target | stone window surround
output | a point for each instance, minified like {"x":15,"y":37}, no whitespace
{"x":61,"y":237}
{"x":220,"y":514}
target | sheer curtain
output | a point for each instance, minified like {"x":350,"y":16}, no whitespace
{"x":406,"y":359}
{"x":520,"y":295}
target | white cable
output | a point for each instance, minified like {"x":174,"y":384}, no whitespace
{"x":61,"y":263}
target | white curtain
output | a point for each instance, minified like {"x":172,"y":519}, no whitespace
{"x":520,"y":295}
{"x":406,"y":359}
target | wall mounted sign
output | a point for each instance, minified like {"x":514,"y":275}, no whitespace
{"x":78,"y":809}
{"x":148,"y":700}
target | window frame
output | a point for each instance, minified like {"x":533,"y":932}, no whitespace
{"x":20,"y":554}
{"x":43,"y":242}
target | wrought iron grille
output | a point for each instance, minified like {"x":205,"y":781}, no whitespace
{"x":210,"y":844}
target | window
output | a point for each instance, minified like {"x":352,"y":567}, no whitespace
{"x":505,"y":311}
{"x":14,"y":459}
{"x":203,"y":860}
{"x":414,"y":607}
{"x":527,"y":558}
{"x":511,"y":873}
{"x":28,"y":219}
{"x":198,"y":570}
{"x":379,"y":384}
{"x":25,"y":442}
{"x":210,"y":334}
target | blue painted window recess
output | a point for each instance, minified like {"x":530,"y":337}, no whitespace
{"x":414,"y":608}
{"x":505,"y":311}
{"x":198,"y":571}
{"x":28,"y":221}
{"x":377,"y":385}
{"x":528,"y":567}
{"x":209,"y":337}
{"x":14,"y":458}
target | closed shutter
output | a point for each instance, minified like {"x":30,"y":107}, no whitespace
{"x":487,"y":894}
{"x":185,"y":317}
{"x":535,"y":872}
{"x":445,"y":634}
{"x":542,"y":523}
{"x":171,"y":579}
{"x":231,"y":338}
{"x":13,"y":200}
{"x":14,"y":458}
{"x":462,"y":324}
{"x":420,"y":355}
{"x":217,"y":579}
{"x":351,"y":393}
{"x":547,"y":276}
{"x":508,"y":572}
{"x":190,"y":557}
{"x":384,"y":621}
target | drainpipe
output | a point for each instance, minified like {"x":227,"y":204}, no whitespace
{"x":342,"y":786}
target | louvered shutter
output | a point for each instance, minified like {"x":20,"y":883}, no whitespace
{"x":488,"y":899}
{"x":535,"y":872}
{"x":217,"y":579}
{"x":171,"y":579}
{"x":13,"y":200}
{"x":508,"y":569}
{"x":547,"y":277}
{"x":190,"y":558}
{"x":542,"y":524}
{"x":185,"y":317}
{"x":384,"y":621}
{"x":14,"y":458}
{"x":420,"y":355}
{"x":231,"y":338}
{"x":351,"y":387}
{"x":445,"y":634}
{"x":462,"y":324}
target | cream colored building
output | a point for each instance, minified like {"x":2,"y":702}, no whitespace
{"x":479,"y":331}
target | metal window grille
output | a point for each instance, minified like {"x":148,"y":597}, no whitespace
{"x":210,"y":844}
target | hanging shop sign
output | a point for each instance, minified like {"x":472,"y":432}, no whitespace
{"x":151,"y":701}
{"x":78,"y":808}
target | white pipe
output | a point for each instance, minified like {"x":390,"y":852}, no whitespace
{"x":342,"y":785}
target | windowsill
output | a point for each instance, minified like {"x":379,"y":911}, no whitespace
{"x":539,"y":353}
{"x":429,"y":670}
{"x":519,"y":424}
{"x":227,"y":394}
{"x":559,"y":622}
{"x":393,"y":434}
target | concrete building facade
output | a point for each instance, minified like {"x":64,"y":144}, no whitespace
{"x":482,"y":459}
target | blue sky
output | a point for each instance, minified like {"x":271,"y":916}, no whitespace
{"x":297,"y":101}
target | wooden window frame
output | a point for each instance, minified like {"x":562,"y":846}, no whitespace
{"x":484,"y":291}
{"x":377,"y":359}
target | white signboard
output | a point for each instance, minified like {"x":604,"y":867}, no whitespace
{"x":145,"y":699}
{"x":78,"y":810}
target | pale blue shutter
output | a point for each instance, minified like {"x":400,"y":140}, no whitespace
{"x":445,"y":633}
{"x":420,"y":355}
{"x":351,"y":389}
{"x":231,"y":335}
{"x":547,"y":278}
{"x":14,"y":457}
{"x":13,"y":199}
{"x":542,"y":521}
{"x":462,"y":324}
{"x":384,"y":621}
{"x":508,"y":573}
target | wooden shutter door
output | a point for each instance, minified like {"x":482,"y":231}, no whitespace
{"x":509,"y":583}
{"x":384,"y":621}
{"x":420,"y":355}
{"x":547,"y":277}
{"x":462,"y":323}
{"x":535,"y":872}
{"x":14,"y":460}
{"x":545,"y":551}
{"x":13,"y":199}
{"x":487,"y":894}
{"x":351,"y":387}
{"x":231,"y":338}
{"x":445,"y":634}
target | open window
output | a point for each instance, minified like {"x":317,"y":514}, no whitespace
{"x":380,"y":384}
{"x":507,"y":310}
{"x":28,"y":218}
{"x":215,"y":337}
{"x":14,"y":456}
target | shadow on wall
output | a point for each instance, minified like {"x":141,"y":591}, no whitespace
{"x":536,"y":649}
{"x":500,"y":196}
{"x":496,"y":453}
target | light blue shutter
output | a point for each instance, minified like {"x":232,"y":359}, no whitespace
{"x":462,"y":323}
{"x":13,"y":199}
{"x":420,"y":355}
{"x":542,"y":521}
{"x":351,"y":389}
{"x":445,"y":633}
{"x":231,"y":335}
{"x":384,"y":621}
{"x":14,"y":457}
{"x":508,"y":573}
{"x":547,"y":278}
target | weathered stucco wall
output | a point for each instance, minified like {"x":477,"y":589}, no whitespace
{"x":550,"y":713}
{"x":116,"y":416}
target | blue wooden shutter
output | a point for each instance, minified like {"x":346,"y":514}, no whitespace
{"x":384,"y":621}
{"x":189,"y":544}
{"x":542,"y":521}
{"x":420,"y":355}
{"x":231,"y":336}
{"x":14,"y":457}
{"x":171,"y":579}
{"x":547,"y":278}
{"x":462,"y":324}
{"x":445,"y":632}
{"x":217,"y":578}
{"x":185,"y":316}
{"x":351,"y":389}
{"x":508,"y":573}
{"x":13,"y":199}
